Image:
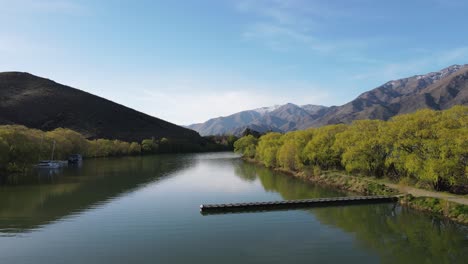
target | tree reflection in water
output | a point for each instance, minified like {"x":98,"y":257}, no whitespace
{"x":398,"y":234}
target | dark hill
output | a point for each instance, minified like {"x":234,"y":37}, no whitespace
{"x":40,"y":103}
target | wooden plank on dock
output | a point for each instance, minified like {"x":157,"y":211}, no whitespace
{"x":293,"y":204}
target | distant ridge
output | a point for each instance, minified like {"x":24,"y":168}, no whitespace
{"x":278,"y":118}
{"x":40,"y":103}
{"x":436,"y":90}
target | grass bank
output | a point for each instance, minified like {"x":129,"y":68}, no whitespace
{"x":437,"y":206}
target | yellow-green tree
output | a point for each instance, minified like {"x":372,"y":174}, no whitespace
{"x":67,"y":142}
{"x":319,"y":150}
{"x":134,"y":148}
{"x":416,"y":145}
{"x":363,"y":149}
{"x":428,"y":146}
{"x":290,"y":154}
{"x":246,"y":146}
{"x":267,"y":148}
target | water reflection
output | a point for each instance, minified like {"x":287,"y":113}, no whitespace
{"x":399,"y":235}
{"x":41,"y":197}
{"x":145,"y":210}
{"x":288,"y":187}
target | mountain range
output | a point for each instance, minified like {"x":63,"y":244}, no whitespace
{"x":40,"y":103}
{"x":436,"y":90}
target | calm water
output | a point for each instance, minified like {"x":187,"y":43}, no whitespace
{"x":146,"y":210}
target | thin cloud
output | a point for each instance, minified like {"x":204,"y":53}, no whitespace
{"x":298,"y":12}
{"x":19,"y":49}
{"x":196,"y":107}
{"x":11,"y":44}
{"x":291,"y":24}
{"x":279,"y":24}
{"x":192,"y":96}
{"x":397,"y":70}
{"x":65,"y":7}
{"x":281,"y":37}
{"x":197,"y":100}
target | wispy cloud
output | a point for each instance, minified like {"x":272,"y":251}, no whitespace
{"x":280,"y":24}
{"x":460,"y":53}
{"x":25,"y":41}
{"x":16,"y":48}
{"x":10,"y":44}
{"x":188,"y":108}
{"x":282,"y":38}
{"x":65,"y":7}
{"x":291,"y":12}
{"x":187,"y":100}
{"x":290,"y":24}
{"x":401,"y":69}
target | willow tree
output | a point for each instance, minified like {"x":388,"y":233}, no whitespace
{"x":66,"y":141}
{"x":319,"y":150}
{"x":23,"y":146}
{"x":416,"y":146}
{"x":267,"y":149}
{"x":290,"y":154}
{"x":452,"y":127}
{"x":4,"y":153}
{"x":362,"y":147}
{"x":246,"y":146}
{"x":134,"y":148}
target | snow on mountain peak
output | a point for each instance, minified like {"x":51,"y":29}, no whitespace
{"x":264,"y":110}
{"x":435,"y":76}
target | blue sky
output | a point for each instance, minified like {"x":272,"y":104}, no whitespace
{"x":187,"y":61}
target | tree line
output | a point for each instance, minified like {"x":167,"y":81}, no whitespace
{"x":426,"y":148}
{"x":20,"y":147}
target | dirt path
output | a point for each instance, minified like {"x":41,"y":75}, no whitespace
{"x":424,"y":193}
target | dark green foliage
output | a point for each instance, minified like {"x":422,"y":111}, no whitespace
{"x":149,"y":145}
{"x":225,"y":142}
{"x":252,"y":132}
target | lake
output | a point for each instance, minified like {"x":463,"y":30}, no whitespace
{"x":146,"y":210}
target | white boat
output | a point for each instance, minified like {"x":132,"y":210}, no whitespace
{"x":48,"y":164}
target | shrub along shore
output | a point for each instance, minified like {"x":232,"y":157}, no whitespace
{"x":427,"y":149}
{"x":21,"y":147}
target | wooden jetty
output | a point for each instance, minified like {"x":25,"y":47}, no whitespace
{"x":293,"y":204}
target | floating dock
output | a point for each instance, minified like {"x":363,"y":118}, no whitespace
{"x":293,"y":204}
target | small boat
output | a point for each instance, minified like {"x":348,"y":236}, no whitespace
{"x":75,"y":159}
{"x":48,"y":164}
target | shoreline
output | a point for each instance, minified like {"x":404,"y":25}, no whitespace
{"x":436,"y":206}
